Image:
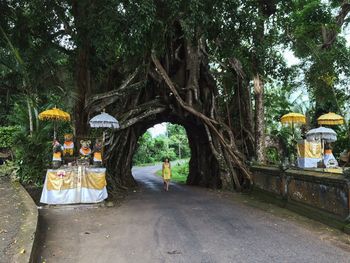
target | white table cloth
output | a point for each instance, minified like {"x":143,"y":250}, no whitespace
{"x":72,"y":185}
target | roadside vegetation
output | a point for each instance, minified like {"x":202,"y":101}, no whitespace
{"x":179,"y":172}
{"x":172,"y":145}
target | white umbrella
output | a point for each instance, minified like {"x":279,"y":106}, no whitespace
{"x":321,"y":133}
{"x":104,"y":120}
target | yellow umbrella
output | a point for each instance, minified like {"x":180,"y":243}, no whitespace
{"x":330,"y":119}
{"x":54,"y":114}
{"x":292,"y":118}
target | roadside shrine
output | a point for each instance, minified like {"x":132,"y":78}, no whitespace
{"x":314,"y":151}
{"x":77,"y":174}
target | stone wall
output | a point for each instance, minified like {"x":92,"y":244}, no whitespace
{"x":322,"y":196}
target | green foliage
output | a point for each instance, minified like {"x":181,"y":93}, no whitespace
{"x":277,"y":104}
{"x":342,"y":142}
{"x":178,"y":141}
{"x":33,"y":151}
{"x":272,"y":156}
{"x":307,"y":22}
{"x":310,"y":24}
{"x":10,"y":168}
{"x":144,"y":152}
{"x":179,"y":172}
{"x":33,"y":155}
{"x":7,"y":136}
{"x":151,"y":150}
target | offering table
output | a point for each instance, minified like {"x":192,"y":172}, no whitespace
{"x":75,"y":184}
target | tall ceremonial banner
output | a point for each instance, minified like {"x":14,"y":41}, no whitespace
{"x":72,"y":185}
{"x":309,"y":153}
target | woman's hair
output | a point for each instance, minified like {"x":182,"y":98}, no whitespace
{"x":166,"y":158}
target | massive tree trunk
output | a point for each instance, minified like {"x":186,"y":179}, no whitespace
{"x":121,"y":162}
{"x":82,"y":83}
{"x":202,"y":163}
{"x":82,"y":71}
{"x":246,"y":117}
{"x":178,"y":88}
{"x":259,"y":119}
{"x":241,"y":110}
{"x":266,"y":9}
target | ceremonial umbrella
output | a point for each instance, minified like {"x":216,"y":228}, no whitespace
{"x":104,"y":120}
{"x":54,"y":114}
{"x":293,"y":118}
{"x":330,"y":119}
{"x":323,"y":134}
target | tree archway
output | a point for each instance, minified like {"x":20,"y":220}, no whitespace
{"x":174,"y":86}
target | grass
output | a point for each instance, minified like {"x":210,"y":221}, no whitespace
{"x":179,"y":172}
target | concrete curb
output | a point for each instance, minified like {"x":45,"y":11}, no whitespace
{"x":24,"y":246}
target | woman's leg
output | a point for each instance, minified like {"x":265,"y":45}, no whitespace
{"x":167,"y":185}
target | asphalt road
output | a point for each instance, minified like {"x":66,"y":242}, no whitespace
{"x":186,"y":224}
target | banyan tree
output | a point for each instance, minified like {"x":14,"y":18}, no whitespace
{"x":147,"y":62}
{"x":199,"y":63}
{"x":173,"y":86}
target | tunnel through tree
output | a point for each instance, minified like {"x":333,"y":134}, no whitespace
{"x":175,"y":86}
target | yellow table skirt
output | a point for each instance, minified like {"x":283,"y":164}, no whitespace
{"x":74,"y":185}
{"x":62,"y":179}
{"x":94,"y":180}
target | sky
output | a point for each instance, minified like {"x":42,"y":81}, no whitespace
{"x":158,"y":129}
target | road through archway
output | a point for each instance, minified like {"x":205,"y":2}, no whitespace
{"x":186,"y":224}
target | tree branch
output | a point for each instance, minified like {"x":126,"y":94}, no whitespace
{"x":235,"y":64}
{"x":330,"y":36}
{"x":170,"y":84}
{"x":115,"y":92}
{"x":142,"y":116}
{"x":140,"y":108}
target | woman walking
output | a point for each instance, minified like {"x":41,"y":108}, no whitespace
{"x":166,"y":173}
